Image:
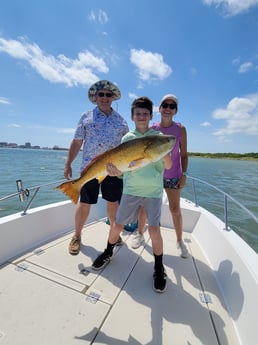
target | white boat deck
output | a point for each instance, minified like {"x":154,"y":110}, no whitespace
{"x":48,"y":297}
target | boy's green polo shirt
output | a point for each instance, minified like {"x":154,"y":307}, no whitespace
{"x":148,"y":181}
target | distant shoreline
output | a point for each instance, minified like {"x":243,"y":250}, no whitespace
{"x":236,"y":156}
{"x":251,"y":156}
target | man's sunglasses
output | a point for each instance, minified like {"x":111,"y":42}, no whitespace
{"x":105,"y":94}
{"x":171,"y":106}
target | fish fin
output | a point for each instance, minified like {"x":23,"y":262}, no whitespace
{"x":71,"y":189}
{"x":135,"y":163}
{"x":100,"y":178}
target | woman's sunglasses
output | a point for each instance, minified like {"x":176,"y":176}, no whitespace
{"x":171,"y":106}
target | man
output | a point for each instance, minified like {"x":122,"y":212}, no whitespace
{"x":98,"y":130}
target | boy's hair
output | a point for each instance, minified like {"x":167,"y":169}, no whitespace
{"x":142,"y":102}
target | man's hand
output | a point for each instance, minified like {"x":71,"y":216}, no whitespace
{"x":68,"y":172}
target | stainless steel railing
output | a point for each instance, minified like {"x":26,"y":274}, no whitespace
{"x":25,"y":194}
{"x":31,"y":193}
{"x":226,"y":197}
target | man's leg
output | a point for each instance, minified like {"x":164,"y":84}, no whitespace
{"x":81,"y":215}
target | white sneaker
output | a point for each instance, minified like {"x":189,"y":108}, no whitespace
{"x":137,"y":240}
{"x":183,"y":249}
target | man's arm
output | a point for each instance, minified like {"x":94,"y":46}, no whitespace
{"x":72,"y":153}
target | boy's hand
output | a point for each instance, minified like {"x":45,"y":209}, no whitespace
{"x":112,"y":170}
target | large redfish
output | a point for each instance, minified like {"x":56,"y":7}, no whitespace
{"x":130,"y":155}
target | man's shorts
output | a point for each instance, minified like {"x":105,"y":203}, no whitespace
{"x":170,"y":183}
{"x":129,"y":207}
{"x":111,"y":190}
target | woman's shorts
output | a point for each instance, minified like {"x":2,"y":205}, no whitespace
{"x":171,"y":183}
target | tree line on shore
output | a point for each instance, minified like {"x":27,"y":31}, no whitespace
{"x":229,"y":155}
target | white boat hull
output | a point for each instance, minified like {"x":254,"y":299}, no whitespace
{"x":211,"y":297}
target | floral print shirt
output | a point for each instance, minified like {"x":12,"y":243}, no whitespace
{"x":99,"y":133}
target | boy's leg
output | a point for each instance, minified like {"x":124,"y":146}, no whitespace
{"x":127,"y":211}
{"x":159,"y":276}
{"x":111,"y":212}
{"x":138,"y":236}
{"x":153,"y":211}
{"x":156,"y":239}
{"x":103,"y":259}
{"x":142,"y":218}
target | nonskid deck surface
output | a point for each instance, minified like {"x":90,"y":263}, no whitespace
{"x":49,"y":297}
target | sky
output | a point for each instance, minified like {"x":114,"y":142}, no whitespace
{"x":203,"y":51}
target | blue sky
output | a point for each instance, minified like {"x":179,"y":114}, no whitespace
{"x":204,"y":51}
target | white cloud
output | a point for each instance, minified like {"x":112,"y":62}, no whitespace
{"x":240,"y":116}
{"x":100,"y":16}
{"x":15,"y":125}
{"x":245,"y":67}
{"x":149,"y":65}
{"x":132,"y":95}
{"x":236,"y":61}
{"x":60,"y":69}
{"x":43,"y":127}
{"x":206,"y":124}
{"x":193,"y":71}
{"x":232,"y":7}
{"x":4,"y":101}
{"x":65,"y":130}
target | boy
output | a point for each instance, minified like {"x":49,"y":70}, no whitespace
{"x":142,"y":187}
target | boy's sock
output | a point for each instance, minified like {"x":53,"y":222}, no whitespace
{"x":158,"y":266}
{"x":110,"y":248}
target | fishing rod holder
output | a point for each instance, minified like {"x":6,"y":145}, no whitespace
{"x":23,"y":193}
{"x":26,"y":193}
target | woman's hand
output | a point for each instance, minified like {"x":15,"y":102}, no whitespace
{"x":182,"y":182}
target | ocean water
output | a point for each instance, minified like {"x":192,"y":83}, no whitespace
{"x":237,"y":178}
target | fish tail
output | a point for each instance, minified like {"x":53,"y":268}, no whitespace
{"x":71,"y":189}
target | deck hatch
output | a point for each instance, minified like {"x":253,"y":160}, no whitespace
{"x":93,"y":297}
{"x":205,"y":298}
{"x":21,"y":267}
{"x":39,"y":251}
{"x":83,"y":270}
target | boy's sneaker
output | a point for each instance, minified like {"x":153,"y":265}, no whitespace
{"x":101,"y":261}
{"x":74,"y":246}
{"x":183,"y":249}
{"x":160,"y":280}
{"x":119,"y":242}
{"x":137,"y":240}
